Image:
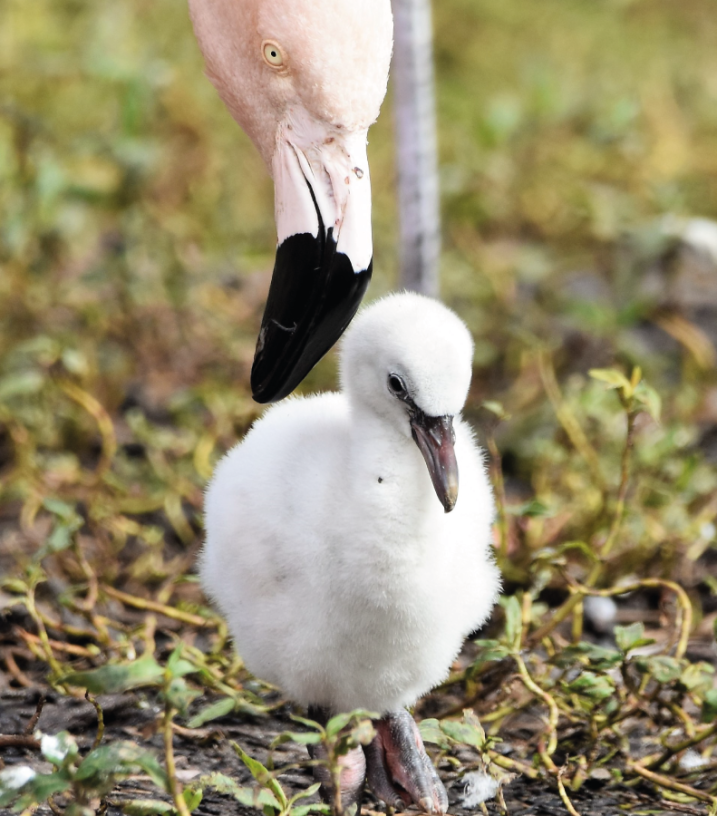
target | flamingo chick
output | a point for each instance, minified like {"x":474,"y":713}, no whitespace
{"x":343,"y":580}
{"x":305,"y":79}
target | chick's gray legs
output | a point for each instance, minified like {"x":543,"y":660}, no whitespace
{"x":353,"y":769}
{"x":399,"y":769}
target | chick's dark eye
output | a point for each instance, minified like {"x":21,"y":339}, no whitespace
{"x":396,"y":385}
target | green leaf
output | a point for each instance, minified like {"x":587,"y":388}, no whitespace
{"x":42,"y":787}
{"x":75,"y":362}
{"x":192,"y":798}
{"x":495,"y":408}
{"x":612,"y":378}
{"x":464,"y":733}
{"x":315,"y":807}
{"x":60,"y":538}
{"x":60,"y":508}
{"x":21,"y":384}
{"x":76,"y":809}
{"x":58,"y":748}
{"x":308,"y":723}
{"x":530,"y":509}
{"x":593,"y":686}
{"x":709,"y":707}
{"x":335,"y":724}
{"x":69,"y":521}
{"x":471,"y":718}
{"x":362,"y":733}
{"x":249,"y":797}
{"x":14,"y":585}
{"x":663,"y":668}
{"x":214,"y":711}
{"x":301,"y":737}
{"x":310,"y":791}
{"x":698,"y":677}
{"x":116,"y":677}
{"x":257,"y":770}
{"x":631,"y":637}
{"x":177,"y":666}
{"x":262,"y":775}
{"x":598,"y":657}
{"x":180,"y":695}
{"x":580,"y":546}
{"x":431,"y":732}
{"x":650,"y":399}
{"x":120,"y":759}
{"x":513,"y":619}
{"x":147,"y":807}
{"x":340,"y":721}
{"x":491,"y":650}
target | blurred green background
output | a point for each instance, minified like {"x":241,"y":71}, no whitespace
{"x":127,"y":192}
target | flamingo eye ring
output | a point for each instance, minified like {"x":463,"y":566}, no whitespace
{"x":272,"y":54}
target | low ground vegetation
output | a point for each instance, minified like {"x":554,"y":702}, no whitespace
{"x":135,"y":252}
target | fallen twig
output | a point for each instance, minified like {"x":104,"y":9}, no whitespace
{"x":32,"y":722}
{"x":665,"y":782}
{"x":153,"y":606}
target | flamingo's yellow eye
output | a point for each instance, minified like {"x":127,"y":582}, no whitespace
{"x":272,"y":53}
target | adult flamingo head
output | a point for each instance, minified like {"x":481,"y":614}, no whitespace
{"x":305,"y":79}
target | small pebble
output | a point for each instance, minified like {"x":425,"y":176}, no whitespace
{"x":601,"y":612}
{"x":690,"y":760}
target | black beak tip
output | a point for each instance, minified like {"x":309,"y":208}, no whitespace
{"x":314,"y":294}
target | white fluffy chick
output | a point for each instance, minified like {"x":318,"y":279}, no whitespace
{"x":344,"y":580}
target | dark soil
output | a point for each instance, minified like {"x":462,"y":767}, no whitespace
{"x":134,"y":716}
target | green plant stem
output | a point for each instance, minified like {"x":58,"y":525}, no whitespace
{"x":656,"y":761}
{"x":564,"y":794}
{"x":335,"y":768}
{"x":104,"y":423}
{"x":499,"y":485}
{"x":566,"y":418}
{"x":685,"y":718}
{"x":175,"y":788}
{"x":153,"y":606}
{"x":57,"y":811}
{"x":32,"y":722}
{"x":42,"y":632}
{"x":100,"y":720}
{"x":560,"y":614}
{"x":553,"y":715}
{"x":551,"y":387}
{"x":620,"y":504}
{"x":670,"y":784}
{"x":578,"y":591}
{"x":526,"y":607}
{"x":514,"y":765}
{"x":577,"y":629}
{"x":683,"y":602}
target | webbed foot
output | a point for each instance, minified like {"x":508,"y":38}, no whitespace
{"x":400,"y":771}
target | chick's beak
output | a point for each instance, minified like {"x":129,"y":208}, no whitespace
{"x":435,"y":439}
